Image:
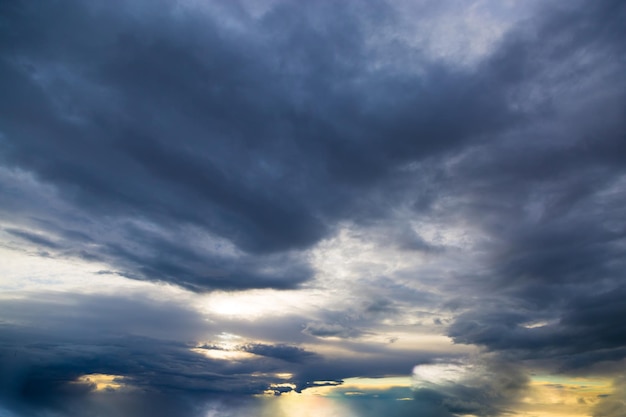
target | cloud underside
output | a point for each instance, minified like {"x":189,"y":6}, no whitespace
{"x":323,"y":148}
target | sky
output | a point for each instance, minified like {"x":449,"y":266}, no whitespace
{"x":281,"y":208}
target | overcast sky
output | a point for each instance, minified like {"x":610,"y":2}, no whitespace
{"x":270,"y":208}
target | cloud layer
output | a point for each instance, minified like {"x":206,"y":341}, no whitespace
{"x":266,"y":197}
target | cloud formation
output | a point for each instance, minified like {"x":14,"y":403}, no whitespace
{"x":208,"y":202}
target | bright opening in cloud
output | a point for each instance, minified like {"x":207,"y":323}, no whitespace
{"x":103,"y":382}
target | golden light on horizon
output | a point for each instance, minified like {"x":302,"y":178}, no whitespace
{"x":297,"y":405}
{"x":227,"y":355}
{"x":558,"y":396}
{"x":359,"y":386}
{"x":102,"y":382}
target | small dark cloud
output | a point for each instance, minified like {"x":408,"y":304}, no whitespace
{"x":319,"y":329}
{"x":283,"y":352}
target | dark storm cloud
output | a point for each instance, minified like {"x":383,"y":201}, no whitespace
{"x":588,"y":329}
{"x":550,"y":199}
{"x":47,"y":345}
{"x":197,"y":269}
{"x":260,"y":136}
{"x":282,"y":352}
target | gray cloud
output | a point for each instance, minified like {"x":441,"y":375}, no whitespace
{"x":546,"y":197}
{"x":213,"y":148}
{"x":149,"y":120}
{"x":281,"y":351}
{"x":488,"y":387}
{"x":318,"y":329}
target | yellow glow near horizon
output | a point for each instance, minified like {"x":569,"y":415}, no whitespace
{"x":378,"y":383}
{"x":355,"y":386}
{"x":558,"y":396}
{"x":103,"y":381}
{"x":546,"y":396}
{"x":296,"y":405}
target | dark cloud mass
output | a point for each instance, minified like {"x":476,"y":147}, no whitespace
{"x":231,"y":147}
{"x":260,"y":136}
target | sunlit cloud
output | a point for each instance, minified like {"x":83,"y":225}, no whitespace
{"x":103,"y":382}
{"x":361,"y":386}
{"x":558,"y":396}
{"x":424,"y":375}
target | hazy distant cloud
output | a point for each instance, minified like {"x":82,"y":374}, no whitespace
{"x":612,"y":405}
{"x":488,"y":387}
